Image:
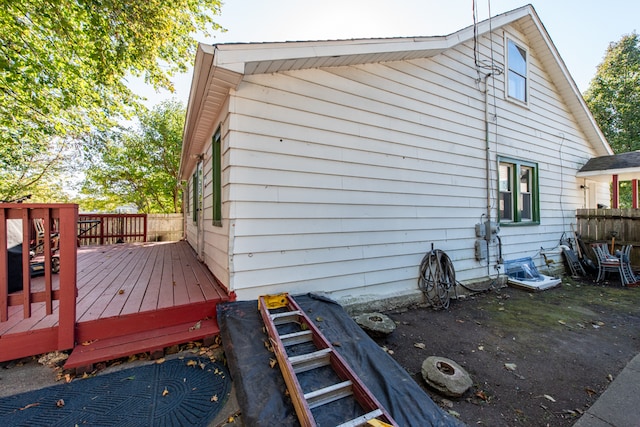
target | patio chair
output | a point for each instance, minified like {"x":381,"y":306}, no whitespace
{"x":607,"y":263}
{"x":38,"y":243}
{"x":627,"y":271}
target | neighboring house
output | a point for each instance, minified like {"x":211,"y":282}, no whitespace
{"x":336,"y":165}
{"x":614,"y":169}
{"x":127,"y":209}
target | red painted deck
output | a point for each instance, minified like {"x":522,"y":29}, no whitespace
{"x":131,"y":298}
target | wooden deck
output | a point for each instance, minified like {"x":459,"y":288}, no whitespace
{"x":130,"y":298}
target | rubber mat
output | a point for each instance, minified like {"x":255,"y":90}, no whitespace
{"x":178,"y":392}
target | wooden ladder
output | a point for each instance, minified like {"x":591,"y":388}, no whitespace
{"x":282,"y":309}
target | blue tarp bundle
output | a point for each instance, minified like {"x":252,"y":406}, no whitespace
{"x":522,"y":269}
{"x":522,"y":272}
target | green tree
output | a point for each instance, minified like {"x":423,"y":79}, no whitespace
{"x":64,"y":66}
{"x":141,"y":166}
{"x":614,"y":94}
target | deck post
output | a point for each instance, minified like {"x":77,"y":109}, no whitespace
{"x":68,"y":270}
{"x":26,"y":272}
{"x":48,"y":285}
{"x":4,"y":267}
{"x":615,"y":189}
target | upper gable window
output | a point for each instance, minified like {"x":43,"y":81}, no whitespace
{"x":517,"y":75}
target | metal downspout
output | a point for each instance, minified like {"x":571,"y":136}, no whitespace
{"x":487,"y":163}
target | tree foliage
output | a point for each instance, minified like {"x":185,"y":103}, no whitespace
{"x":614,"y":94}
{"x":63,"y":71}
{"x":140,"y":166}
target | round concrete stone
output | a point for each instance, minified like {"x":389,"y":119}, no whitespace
{"x":376,"y":324}
{"x":446,"y":376}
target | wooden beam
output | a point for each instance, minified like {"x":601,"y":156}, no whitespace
{"x":68,"y":215}
{"x":4,"y":268}
{"x":634,"y":193}
{"x":48,"y":285}
{"x":17,"y":298}
{"x":615,"y":194}
{"x":23,"y":344}
{"x":26,"y":271}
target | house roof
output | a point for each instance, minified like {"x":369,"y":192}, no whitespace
{"x":220,"y":68}
{"x":625,"y":165}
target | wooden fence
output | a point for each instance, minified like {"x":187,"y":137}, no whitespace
{"x":107,"y":229}
{"x":165,"y":227}
{"x":606,"y":225}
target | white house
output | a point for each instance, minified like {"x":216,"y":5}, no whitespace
{"x":336,"y":165}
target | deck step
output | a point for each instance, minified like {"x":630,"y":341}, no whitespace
{"x":89,"y":353}
{"x":127,"y":324}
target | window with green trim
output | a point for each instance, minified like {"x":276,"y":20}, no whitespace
{"x":216,"y":180}
{"x":194,"y":184}
{"x":518,"y":187}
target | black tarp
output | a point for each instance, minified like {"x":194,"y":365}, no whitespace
{"x":261,"y":389}
{"x":14,"y":260}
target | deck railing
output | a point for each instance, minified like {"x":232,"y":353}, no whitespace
{"x":107,"y":229}
{"x":59,"y":222}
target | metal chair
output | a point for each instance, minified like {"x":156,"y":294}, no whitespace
{"x":607,"y":263}
{"x":574,"y":262}
{"x":625,"y":260}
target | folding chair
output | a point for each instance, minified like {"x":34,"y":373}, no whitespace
{"x":625,"y":260}
{"x":607,"y":263}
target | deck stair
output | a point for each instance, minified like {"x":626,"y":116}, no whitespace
{"x":123,"y":336}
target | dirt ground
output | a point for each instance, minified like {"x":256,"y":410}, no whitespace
{"x":567,"y":345}
{"x":536,"y":359}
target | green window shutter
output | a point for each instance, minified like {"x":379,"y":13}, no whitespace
{"x":216,"y":170}
{"x":195,"y":195}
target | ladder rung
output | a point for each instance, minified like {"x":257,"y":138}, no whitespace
{"x":362,"y":419}
{"x":328,"y":394}
{"x":309,"y":361}
{"x":296,"y":338}
{"x":285,"y":317}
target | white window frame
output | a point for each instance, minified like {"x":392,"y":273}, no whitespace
{"x":527,"y":93}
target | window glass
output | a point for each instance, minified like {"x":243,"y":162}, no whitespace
{"x":517,"y":59}
{"x":525,"y":193}
{"x":506,"y":207}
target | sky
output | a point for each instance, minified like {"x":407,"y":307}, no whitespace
{"x":580,"y":29}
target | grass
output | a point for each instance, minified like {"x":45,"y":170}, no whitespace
{"x":572,"y":303}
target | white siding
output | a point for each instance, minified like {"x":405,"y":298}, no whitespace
{"x":340,"y":179}
{"x":217,"y":238}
